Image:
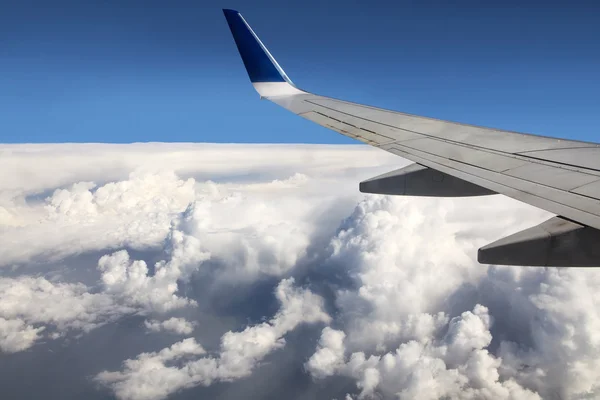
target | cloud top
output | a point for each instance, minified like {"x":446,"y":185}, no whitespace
{"x":235,"y":264}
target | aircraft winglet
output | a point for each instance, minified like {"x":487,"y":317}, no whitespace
{"x":266,"y":75}
{"x":260,"y":64}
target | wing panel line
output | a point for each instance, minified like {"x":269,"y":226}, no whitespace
{"x":553,"y":206}
{"x":517,"y":156}
{"x":590,"y":144}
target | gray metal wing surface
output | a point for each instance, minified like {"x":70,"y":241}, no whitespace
{"x":557,"y":175}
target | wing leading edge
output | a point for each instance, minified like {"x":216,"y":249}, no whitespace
{"x":452,"y":159}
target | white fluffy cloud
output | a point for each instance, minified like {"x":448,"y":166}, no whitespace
{"x":329,"y":357}
{"x":131,"y":281}
{"x":95,"y":233}
{"x":232,"y":223}
{"x":176,"y":325}
{"x":16,"y":335}
{"x":407,"y":264}
{"x":136,"y":213}
{"x":28,"y":305}
{"x":149,"y":377}
{"x":412,"y":274}
{"x":457,"y":366}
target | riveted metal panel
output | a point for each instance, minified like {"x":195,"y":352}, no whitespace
{"x":477,"y":158}
{"x":487,"y":138}
{"x":554,"y":176}
{"x":371,"y":131}
{"x":347,"y":128}
{"x":590,"y":190}
{"x":585,"y":157}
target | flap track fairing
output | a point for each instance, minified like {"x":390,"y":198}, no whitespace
{"x":418,"y":180}
{"x":557,"y":242}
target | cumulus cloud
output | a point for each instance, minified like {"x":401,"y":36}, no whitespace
{"x":130,"y":280}
{"x":407,"y":265}
{"x":125,"y":287}
{"x":558,"y":311}
{"x":329,"y":357}
{"x":232,"y":224}
{"x":28,"y":305}
{"x":457,"y":366}
{"x":136,"y":213}
{"x":149,"y":376}
{"x":176,"y":325}
{"x":248,"y":235}
{"x":95,"y":236}
{"x":405,"y":300}
{"x":16,"y":335}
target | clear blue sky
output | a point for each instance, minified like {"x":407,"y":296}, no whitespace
{"x":129,"y":71}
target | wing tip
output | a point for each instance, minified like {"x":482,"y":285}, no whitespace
{"x":259,"y":63}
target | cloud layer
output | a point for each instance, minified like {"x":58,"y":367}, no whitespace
{"x":149,"y":376}
{"x":237,"y":264}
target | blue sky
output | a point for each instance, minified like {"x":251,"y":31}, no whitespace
{"x":131,"y":71}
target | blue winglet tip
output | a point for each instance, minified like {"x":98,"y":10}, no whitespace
{"x":259,"y":64}
{"x":228,"y":11}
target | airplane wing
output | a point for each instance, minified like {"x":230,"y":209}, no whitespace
{"x":453,"y":159}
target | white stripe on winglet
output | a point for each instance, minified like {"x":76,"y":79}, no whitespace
{"x":271,"y":89}
{"x":277,"y":66}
